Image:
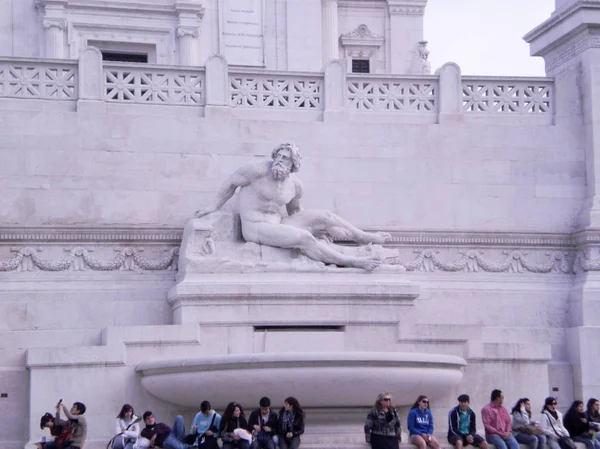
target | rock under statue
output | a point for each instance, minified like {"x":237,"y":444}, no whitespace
{"x":268,"y":186}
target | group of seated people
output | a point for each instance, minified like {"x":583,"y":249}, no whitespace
{"x":383,"y":429}
{"x":264,"y":429}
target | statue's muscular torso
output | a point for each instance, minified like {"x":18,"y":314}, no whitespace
{"x":264,"y":197}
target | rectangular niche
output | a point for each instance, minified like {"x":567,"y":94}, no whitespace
{"x":298,"y":338}
{"x":135,"y":51}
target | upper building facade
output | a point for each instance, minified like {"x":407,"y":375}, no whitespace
{"x":375,"y":36}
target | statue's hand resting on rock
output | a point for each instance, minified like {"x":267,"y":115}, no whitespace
{"x":268,"y":186}
{"x":204,"y":212}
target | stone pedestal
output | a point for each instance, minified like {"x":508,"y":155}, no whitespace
{"x":289,"y":317}
{"x":225,"y":279}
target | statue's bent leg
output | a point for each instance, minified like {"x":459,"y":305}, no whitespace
{"x":284,"y":236}
{"x":325,"y":221}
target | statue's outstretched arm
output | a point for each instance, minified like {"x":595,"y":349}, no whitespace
{"x":240,"y":178}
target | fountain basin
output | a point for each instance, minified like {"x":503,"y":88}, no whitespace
{"x":334,"y":379}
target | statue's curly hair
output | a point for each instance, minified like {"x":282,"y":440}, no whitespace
{"x":295,"y":152}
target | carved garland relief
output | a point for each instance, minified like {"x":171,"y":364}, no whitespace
{"x":28,"y":258}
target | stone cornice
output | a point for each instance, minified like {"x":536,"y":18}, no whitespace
{"x":565,"y":32}
{"x":172,"y":235}
{"x":190,"y":8}
{"x":58,"y":234}
{"x":406,"y":7}
{"x":560,"y":16}
{"x":130,"y":7}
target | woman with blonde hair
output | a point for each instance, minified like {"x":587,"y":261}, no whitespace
{"x":383,"y":429}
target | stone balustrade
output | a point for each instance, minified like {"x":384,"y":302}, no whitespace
{"x":47,"y":79}
{"x":445,"y":94}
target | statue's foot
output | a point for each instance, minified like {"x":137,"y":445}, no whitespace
{"x":368,"y":263}
{"x":379,"y":238}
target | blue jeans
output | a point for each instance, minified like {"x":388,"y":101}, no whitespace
{"x":532,"y":441}
{"x":173,"y":441}
{"x":591,"y":444}
{"x":500,"y":443}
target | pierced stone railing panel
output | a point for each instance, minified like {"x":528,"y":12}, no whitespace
{"x":276,"y":90}
{"x":508,"y":95}
{"x":377,"y":93}
{"x":153,"y":85}
{"x":40,"y":79}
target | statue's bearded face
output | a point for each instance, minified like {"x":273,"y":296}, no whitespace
{"x":282,"y":164}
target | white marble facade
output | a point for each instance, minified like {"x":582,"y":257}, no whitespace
{"x":487,"y":186}
{"x":271,"y":34}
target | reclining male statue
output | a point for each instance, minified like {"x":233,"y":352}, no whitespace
{"x":268,"y":186}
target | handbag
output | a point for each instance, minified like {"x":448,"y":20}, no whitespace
{"x":566,"y":443}
{"x":530,"y":430}
{"x":209,"y":441}
{"x":563,"y":442}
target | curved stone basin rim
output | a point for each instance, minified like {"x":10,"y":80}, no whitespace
{"x":305,"y":359}
{"x":341,"y":379}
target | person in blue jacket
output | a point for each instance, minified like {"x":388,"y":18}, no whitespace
{"x":420,"y":425}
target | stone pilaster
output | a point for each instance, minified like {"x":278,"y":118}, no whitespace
{"x":405,"y":32}
{"x":330,"y":30}
{"x":569,"y":42}
{"x":189,"y":16}
{"x":189,"y":52}
{"x":56,"y":37}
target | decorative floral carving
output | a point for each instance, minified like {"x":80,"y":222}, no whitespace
{"x":46,"y":265}
{"x":80,"y":259}
{"x":56,"y":22}
{"x":583,"y":264}
{"x":473,"y":261}
{"x":11,"y":264}
{"x":165,"y":263}
{"x":28,"y":259}
{"x":183,"y":31}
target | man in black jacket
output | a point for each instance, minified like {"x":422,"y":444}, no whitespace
{"x":263,"y":425}
{"x":161,"y":435}
{"x":462,"y":426}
